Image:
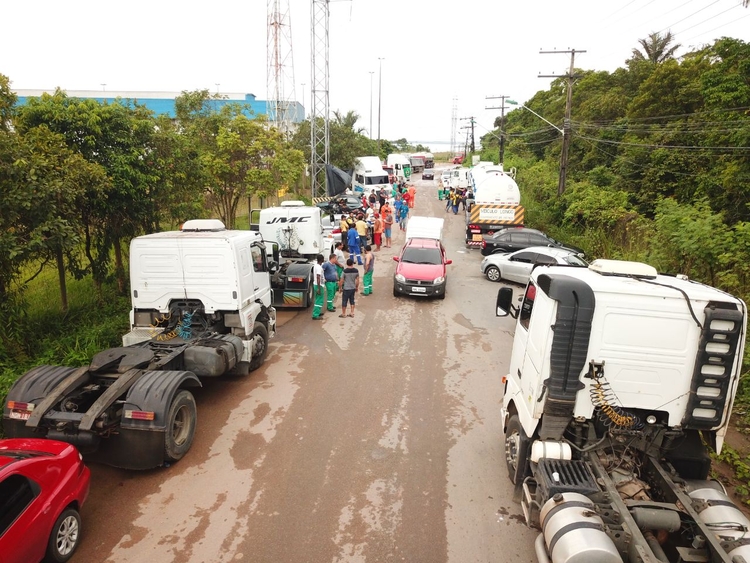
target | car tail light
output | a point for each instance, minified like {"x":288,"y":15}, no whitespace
{"x":296,"y":279}
{"x":140,"y":415}
{"x":336,"y":231}
{"x":484,"y":244}
{"x":15,"y":405}
{"x":473,"y":226}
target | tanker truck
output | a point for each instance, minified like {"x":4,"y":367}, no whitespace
{"x":494,"y":203}
{"x":620,"y":382}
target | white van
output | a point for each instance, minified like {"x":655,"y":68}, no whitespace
{"x":459,"y":178}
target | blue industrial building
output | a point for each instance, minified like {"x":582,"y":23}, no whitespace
{"x":163,"y":103}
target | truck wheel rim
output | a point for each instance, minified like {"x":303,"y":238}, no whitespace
{"x":67,"y":535}
{"x":511,"y":449}
{"x":258,"y":345}
{"x":180,"y":426}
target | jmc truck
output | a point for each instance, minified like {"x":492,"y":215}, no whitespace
{"x":201,"y":308}
{"x":620,"y":383}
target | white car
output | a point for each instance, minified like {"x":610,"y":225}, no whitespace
{"x":445,"y":176}
{"x":516,"y":266}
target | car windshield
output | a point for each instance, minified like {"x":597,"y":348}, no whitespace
{"x":574,"y":260}
{"x":416,"y":255}
{"x":428,"y":171}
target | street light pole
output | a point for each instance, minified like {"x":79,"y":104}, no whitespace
{"x":380,"y":94}
{"x":370,"y":129}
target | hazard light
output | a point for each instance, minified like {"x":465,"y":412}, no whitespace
{"x":139,"y":415}
{"x":484,"y":244}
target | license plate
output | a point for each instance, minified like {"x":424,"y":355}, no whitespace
{"x":20,"y":415}
{"x":419,"y":289}
{"x":476,"y":237}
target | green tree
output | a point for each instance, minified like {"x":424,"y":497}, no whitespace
{"x":656,"y":48}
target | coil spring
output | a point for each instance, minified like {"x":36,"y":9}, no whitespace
{"x":184,"y":329}
{"x":610,"y":414}
{"x":156,"y":325}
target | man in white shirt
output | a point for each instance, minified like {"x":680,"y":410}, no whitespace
{"x":318,"y":284}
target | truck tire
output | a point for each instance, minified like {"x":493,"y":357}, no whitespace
{"x":65,"y":536}
{"x":259,"y":345}
{"x":181,"y":421}
{"x":516,"y":451}
{"x":493,"y":274}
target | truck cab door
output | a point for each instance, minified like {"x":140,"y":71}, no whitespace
{"x":529,"y":357}
{"x":261,"y":275}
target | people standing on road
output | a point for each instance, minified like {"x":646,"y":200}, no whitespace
{"x":387,"y":226}
{"x":340,"y":259}
{"x":353,"y":241}
{"x":448,"y":199}
{"x":372,"y":199}
{"x":382,"y":197}
{"x":377,"y":232}
{"x":361,"y":227}
{"x":403,"y":214}
{"x":463,"y":199}
{"x":455,"y":198}
{"x":369,"y":269}
{"x":349,"y":285}
{"x":344,"y":226}
{"x":412,"y":191}
{"x":331,"y":277}
{"x":406,"y":198}
{"x":318,"y":277}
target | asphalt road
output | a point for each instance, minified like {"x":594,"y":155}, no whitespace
{"x":370,"y":439}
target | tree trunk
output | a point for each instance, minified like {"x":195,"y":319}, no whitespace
{"x":119,"y":268}
{"x":61,"y":278}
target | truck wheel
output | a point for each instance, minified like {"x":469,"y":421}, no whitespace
{"x":65,"y":535}
{"x":258,"y":345}
{"x":181,"y":421}
{"x":310,"y":297}
{"x":493,"y":274}
{"x":516,"y":450}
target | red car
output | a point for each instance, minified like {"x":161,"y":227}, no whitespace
{"x":43,"y":484}
{"x":421,"y":268}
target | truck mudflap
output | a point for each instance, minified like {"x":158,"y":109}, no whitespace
{"x":34,"y":393}
{"x":140,"y":441}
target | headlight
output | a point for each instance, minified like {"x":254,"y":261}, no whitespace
{"x":400,"y":278}
{"x":438,"y":281}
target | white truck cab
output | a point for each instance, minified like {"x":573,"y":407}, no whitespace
{"x":202,"y":267}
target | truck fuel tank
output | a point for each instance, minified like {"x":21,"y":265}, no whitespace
{"x":574,"y":532}
{"x":215,"y":356}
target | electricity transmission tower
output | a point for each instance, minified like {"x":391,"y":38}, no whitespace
{"x":454,"y":122}
{"x":280,"y":67}
{"x":319,"y":125}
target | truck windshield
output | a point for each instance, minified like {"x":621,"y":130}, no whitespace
{"x":375,"y":180}
{"x":422,"y":256}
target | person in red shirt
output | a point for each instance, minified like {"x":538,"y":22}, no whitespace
{"x":412,"y":191}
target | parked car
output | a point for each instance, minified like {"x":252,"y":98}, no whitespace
{"x":518,"y":238}
{"x":428,"y":174}
{"x":421,"y":268}
{"x":43,"y":485}
{"x":517,"y":266}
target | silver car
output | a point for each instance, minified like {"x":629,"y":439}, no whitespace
{"x":516,"y":266}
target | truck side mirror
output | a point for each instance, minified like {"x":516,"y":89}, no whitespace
{"x":504,"y":306}
{"x":273,"y":266}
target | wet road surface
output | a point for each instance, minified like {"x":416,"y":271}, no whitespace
{"x":368,"y":439}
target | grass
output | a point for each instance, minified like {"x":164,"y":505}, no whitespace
{"x":51,"y":336}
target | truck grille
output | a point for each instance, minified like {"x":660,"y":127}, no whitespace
{"x":572,"y":476}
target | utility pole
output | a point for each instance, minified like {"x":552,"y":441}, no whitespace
{"x":471,"y":123}
{"x":454,"y":120}
{"x":501,"y":154}
{"x":566,"y":122}
{"x":380,"y":95}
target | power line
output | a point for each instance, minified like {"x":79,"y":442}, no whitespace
{"x":660,"y":146}
{"x":690,"y":16}
{"x":718,"y":110}
{"x":708,"y":19}
{"x":715,"y":28}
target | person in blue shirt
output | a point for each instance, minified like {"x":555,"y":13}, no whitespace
{"x":331,"y":276}
{"x":403,"y":213}
{"x":353,"y":242}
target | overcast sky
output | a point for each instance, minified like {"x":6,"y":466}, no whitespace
{"x":433,"y":50}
